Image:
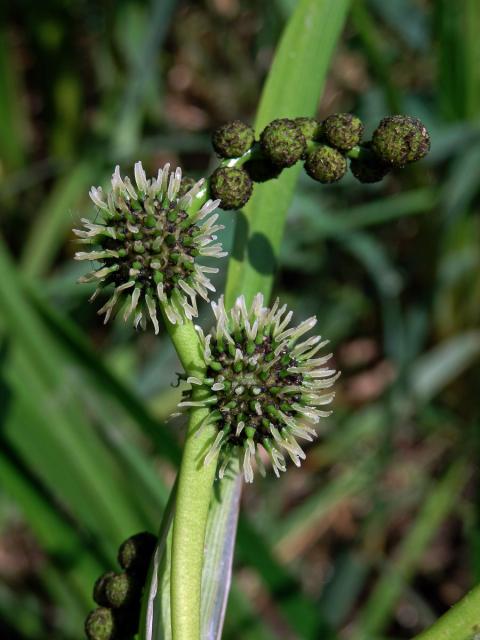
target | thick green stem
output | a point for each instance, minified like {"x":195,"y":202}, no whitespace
{"x":194,"y":488}
{"x":462,"y":622}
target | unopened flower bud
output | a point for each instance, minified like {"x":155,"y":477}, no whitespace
{"x":325,"y":164}
{"x":99,"y":589}
{"x":136,"y":552}
{"x":283,"y":142}
{"x":121,"y":589}
{"x":232,"y":186}
{"x":233,"y":139}
{"x":343,"y":131}
{"x":100,"y":624}
{"x":310,"y":127}
{"x":369,"y":168}
{"x":399,"y":140}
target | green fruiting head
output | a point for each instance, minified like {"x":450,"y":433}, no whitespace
{"x":261,"y":169}
{"x":368,"y":167}
{"x":399,"y":140}
{"x":136,"y":552}
{"x":100,"y":624}
{"x":325,"y":164}
{"x":283,"y":142}
{"x":120,"y":589}
{"x":343,"y":131}
{"x":311,"y":128}
{"x":232,"y":186}
{"x":99,"y":589}
{"x":233,"y":139}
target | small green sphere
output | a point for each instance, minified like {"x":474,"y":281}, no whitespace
{"x":232,"y":186}
{"x":343,"y":131}
{"x":120,"y":590}
{"x":261,"y":169}
{"x":99,"y":589}
{"x":325,"y":164}
{"x":283,"y":142}
{"x":399,"y":140}
{"x":233,"y":139}
{"x":100,"y":624}
{"x":136,"y":552}
{"x":310,"y":127}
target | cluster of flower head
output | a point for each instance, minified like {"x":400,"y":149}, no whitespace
{"x":323,"y":147}
{"x":147,"y":245}
{"x":119,"y":594}
{"x":264,"y":386}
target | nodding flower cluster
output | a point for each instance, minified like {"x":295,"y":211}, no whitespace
{"x":119,"y":594}
{"x":265,"y":385}
{"x":324,"y":147}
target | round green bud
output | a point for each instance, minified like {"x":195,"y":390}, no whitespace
{"x":283,"y":142}
{"x":100,"y":624}
{"x":310,"y":127}
{"x":261,"y":169}
{"x":233,"y":139}
{"x":185,"y":186}
{"x":136,"y":552}
{"x":232,"y":186}
{"x":325,"y":164}
{"x":343,"y":131}
{"x":120,"y":590}
{"x":399,"y":140}
{"x":99,"y":589}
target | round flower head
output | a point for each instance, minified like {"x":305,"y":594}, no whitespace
{"x":147,"y":245}
{"x":263,"y":385}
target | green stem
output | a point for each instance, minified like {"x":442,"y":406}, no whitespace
{"x":462,"y":622}
{"x":194,"y":489}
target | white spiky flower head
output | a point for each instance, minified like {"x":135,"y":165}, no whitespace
{"x":147,"y":246}
{"x":264,"y":385}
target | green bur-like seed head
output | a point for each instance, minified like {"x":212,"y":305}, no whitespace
{"x":100,"y":624}
{"x":148,"y":246}
{"x":283,"y":142}
{"x":233,"y":139}
{"x":264,"y":387}
{"x":310,"y":127}
{"x":231,"y":186}
{"x":399,"y":140}
{"x":343,"y":131}
{"x":120,"y":590}
{"x":325,"y":164}
{"x":99,"y":589}
{"x":136,"y":552}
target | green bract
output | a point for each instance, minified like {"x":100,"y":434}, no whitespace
{"x":283,"y":142}
{"x":399,"y":140}
{"x":343,"y":131}
{"x":325,"y":164}
{"x":231,"y":186}
{"x":233,"y":139}
{"x":263,"y":387}
{"x":147,"y":246}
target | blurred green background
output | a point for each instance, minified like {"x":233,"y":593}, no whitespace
{"x":379,"y":532}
